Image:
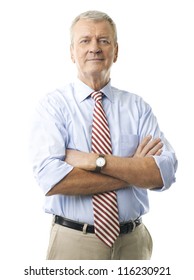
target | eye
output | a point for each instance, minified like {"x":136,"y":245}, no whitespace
{"x":84,"y":41}
{"x":104,"y":41}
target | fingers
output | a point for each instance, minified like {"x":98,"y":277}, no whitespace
{"x":155,"y":147}
{"x":149,"y":147}
{"x":158,"y":152}
{"x":144,"y":142}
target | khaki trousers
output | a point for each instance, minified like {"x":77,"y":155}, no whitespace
{"x":69,"y":244}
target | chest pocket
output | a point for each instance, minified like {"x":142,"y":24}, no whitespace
{"x":128,"y":144}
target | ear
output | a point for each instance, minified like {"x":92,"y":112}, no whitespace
{"x":116,"y":53}
{"x":71,"y":52}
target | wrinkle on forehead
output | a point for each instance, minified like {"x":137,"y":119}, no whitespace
{"x":90,"y":28}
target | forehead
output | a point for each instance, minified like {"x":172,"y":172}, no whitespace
{"x":88,"y":27}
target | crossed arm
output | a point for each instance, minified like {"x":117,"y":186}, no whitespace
{"x":140,"y":170}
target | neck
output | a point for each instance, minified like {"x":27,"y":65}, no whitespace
{"x":96,"y":83}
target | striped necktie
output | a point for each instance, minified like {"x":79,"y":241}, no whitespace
{"x":106,"y":221}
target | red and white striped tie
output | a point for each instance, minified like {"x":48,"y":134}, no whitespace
{"x":106,"y":221}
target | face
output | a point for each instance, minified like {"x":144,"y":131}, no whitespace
{"x":93,"y":49}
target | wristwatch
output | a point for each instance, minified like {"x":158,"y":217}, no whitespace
{"x":100,"y":163}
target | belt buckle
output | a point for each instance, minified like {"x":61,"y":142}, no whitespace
{"x":134,"y":226}
{"x":131,"y":225}
{"x":84,"y":230}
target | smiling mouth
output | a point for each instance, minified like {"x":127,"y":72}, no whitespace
{"x":95,"y":59}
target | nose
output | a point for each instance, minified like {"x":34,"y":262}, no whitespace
{"x":94,"y":47}
{"x":96,"y":51}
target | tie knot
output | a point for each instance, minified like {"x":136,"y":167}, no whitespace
{"x":97,"y":95}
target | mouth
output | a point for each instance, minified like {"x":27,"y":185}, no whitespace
{"x":95,"y":59}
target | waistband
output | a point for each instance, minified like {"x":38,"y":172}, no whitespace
{"x":124,"y":227}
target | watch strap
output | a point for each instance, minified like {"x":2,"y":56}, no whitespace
{"x":99,"y":168}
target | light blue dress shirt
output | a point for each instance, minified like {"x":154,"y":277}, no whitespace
{"x":63,"y":119}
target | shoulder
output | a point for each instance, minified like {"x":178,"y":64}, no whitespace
{"x":121,"y":93}
{"x":57,"y":96}
{"x":54,"y":103}
{"x":60,"y":93}
{"x":127,"y":97}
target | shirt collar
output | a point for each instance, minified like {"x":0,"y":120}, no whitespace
{"x":83,"y":91}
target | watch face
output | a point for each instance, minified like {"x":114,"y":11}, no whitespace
{"x":100,"y":161}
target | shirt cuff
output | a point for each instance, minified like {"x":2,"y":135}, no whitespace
{"x":52,"y":173}
{"x":167,"y":166}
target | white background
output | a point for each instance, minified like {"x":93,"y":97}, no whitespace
{"x":156,"y":61}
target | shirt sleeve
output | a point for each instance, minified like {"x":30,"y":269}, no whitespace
{"x":167,"y":164}
{"x":167,"y":161}
{"x":47,"y":144}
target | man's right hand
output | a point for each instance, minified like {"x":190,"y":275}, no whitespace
{"x":149,"y":147}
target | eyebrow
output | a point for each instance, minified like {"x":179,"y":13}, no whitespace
{"x":98,"y":37}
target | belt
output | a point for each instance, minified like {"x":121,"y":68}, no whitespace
{"x":124,"y":227}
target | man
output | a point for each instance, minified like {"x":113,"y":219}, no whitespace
{"x":96,"y":150}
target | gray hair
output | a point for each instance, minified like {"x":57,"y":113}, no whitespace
{"x":95,"y":16}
